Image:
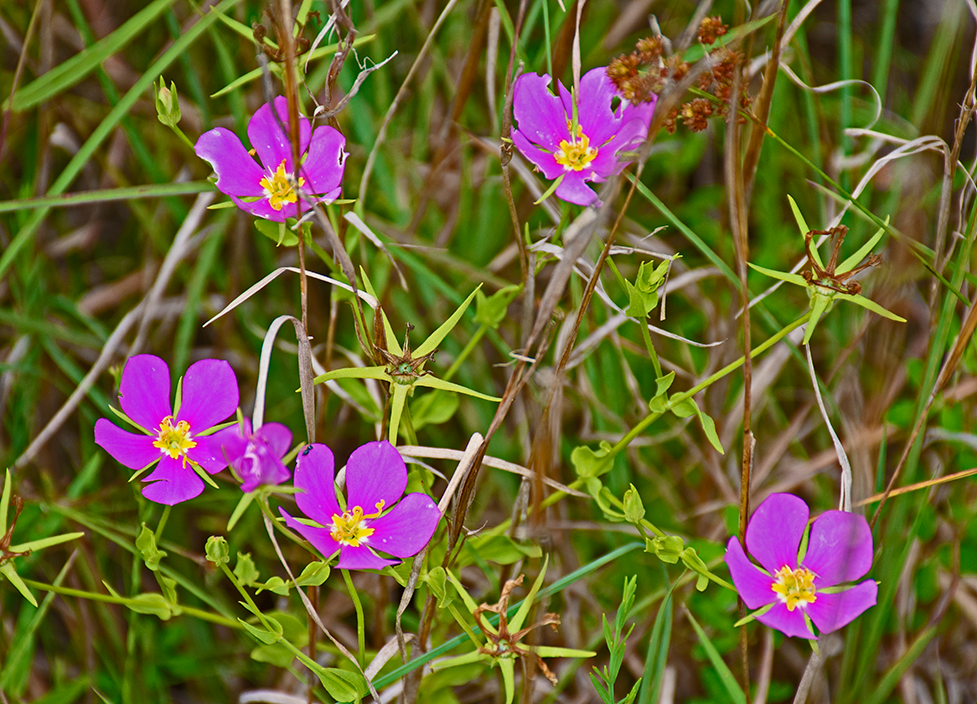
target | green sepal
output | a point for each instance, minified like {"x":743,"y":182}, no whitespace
{"x":435,"y":338}
{"x":262,"y":634}
{"x":516,"y":622}
{"x":42,"y":543}
{"x":490,"y":311}
{"x":592,"y":463}
{"x":315,"y":574}
{"x":434,"y":382}
{"x":752,"y":616}
{"x":549,"y":191}
{"x":245,"y":571}
{"x":146,"y":545}
{"x":129,"y":420}
{"x":239,"y":510}
{"x":782,"y":275}
{"x":379,"y":373}
{"x":10,"y":573}
{"x":862,"y":251}
{"x":871,"y":305}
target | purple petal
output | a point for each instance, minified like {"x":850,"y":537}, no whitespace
{"x":323,"y":169}
{"x":407,"y":528}
{"x":790,"y":623}
{"x":269,"y":136}
{"x":545,"y":162}
{"x":172,"y":482}
{"x":753,"y":586}
{"x":572,"y":189}
{"x":231,"y":442}
{"x":208,"y":453}
{"x":594,"y":114}
{"x":832,"y":611}
{"x":262,"y":209}
{"x":237,"y":172}
{"x":209,"y":394}
{"x":260,"y":465}
{"x":774,"y":534}
{"x":839,"y":548}
{"x":277,"y":436}
{"x":361,"y":558}
{"x":538,"y":113}
{"x":642,"y":112}
{"x":315,"y":476}
{"x":144,"y":391}
{"x":132,"y":450}
{"x":375,"y":472}
{"x":320,"y":538}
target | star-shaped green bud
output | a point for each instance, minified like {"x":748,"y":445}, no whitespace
{"x":826,"y":283}
{"x":503,"y":643}
{"x":8,"y":552}
{"x":403,"y":369}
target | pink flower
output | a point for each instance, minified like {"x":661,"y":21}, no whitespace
{"x":209,"y":396}
{"x":376,"y":477}
{"x":797,"y":589}
{"x":256,"y":457}
{"x":270,"y":191}
{"x":603,"y":134}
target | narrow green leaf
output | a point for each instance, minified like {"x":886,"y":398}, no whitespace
{"x":435,"y":338}
{"x":507,"y":667}
{"x":818,"y":306}
{"x":862,"y":252}
{"x":239,"y":510}
{"x":801,"y":223}
{"x":5,"y":502}
{"x":782,"y":275}
{"x":871,"y":305}
{"x":399,"y":398}
{"x":435,"y":383}
{"x":729,"y":682}
{"x":8,"y":571}
{"x":354,"y":373}
{"x":516,"y":622}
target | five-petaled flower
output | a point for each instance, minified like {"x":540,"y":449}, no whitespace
{"x":592,"y":149}
{"x":376,"y":477}
{"x":270,"y":192}
{"x":174,"y":438}
{"x":256,"y":457}
{"x":793,"y":589}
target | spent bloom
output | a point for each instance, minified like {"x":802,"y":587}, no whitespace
{"x":375,"y":516}
{"x":792,"y":588}
{"x":577,"y":146}
{"x":268,"y":191}
{"x":256,"y":457}
{"x":173,"y":434}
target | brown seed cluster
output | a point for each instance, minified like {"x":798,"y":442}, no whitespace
{"x":644,"y":72}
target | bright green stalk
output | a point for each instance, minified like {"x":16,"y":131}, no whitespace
{"x":360,"y":628}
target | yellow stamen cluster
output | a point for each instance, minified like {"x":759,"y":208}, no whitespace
{"x":794,"y":586}
{"x":576,"y":154}
{"x":279,"y":188}
{"x":174,"y":441}
{"x":347,"y":528}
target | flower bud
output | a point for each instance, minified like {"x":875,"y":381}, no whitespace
{"x":167,"y":103}
{"x":217,"y":550}
{"x":634,"y":509}
{"x":667,"y":548}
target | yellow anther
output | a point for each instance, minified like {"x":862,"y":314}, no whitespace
{"x":347,"y":529}
{"x":279,"y":188}
{"x":174,"y":441}
{"x":795,"y":586}
{"x":576,"y":154}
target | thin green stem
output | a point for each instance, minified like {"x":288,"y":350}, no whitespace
{"x":728,"y":369}
{"x":646,"y":336}
{"x":126,"y":601}
{"x":360,"y":627}
{"x":162,"y":522}
{"x":467,"y":350}
{"x":183,"y":137}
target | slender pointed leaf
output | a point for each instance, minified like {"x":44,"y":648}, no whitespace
{"x":871,"y":305}
{"x":729,"y":682}
{"x":782,"y":275}
{"x":432,"y":342}
{"x":516,"y":622}
{"x":862,"y":252}
{"x":436,"y":383}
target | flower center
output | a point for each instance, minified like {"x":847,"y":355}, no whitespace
{"x":279,"y":189}
{"x":794,"y":587}
{"x":349,"y":528}
{"x":174,"y":441}
{"x":577,"y":153}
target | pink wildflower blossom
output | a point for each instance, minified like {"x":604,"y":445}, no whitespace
{"x":375,"y":518}
{"x":596,"y":150}
{"x":798,"y":589}
{"x":268,"y":191}
{"x":209,"y":396}
{"x":256,"y":456}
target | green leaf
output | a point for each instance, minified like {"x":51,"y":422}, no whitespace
{"x":663,"y":383}
{"x":398,"y":398}
{"x":437,"y":582}
{"x":392,"y":345}
{"x":342,"y":685}
{"x":667,"y":548}
{"x":819,"y":304}
{"x":245,"y":571}
{"x":276,"y":585}
{"x":502,"y":550}
{"x":592,"y":463}
{"x":168,"y":587}
{"x":276,"y":232}
{"x":146,"y":545}
{"x":315,"y":574}
{"x":435,"y":338}
{"x":729,"y":682}
{"x":354,"y":373}
{"x":263,"y":634}
{"x":42,"y":543}
{"x":70,"y":72}
{"x":553,"y":186}
{"x":688,"y":407}
{"x":871,"y":305}
{"x":5,"y":502}
{"x":782,"y":275}
{"x":466,"y":659}
{"x":862,"y":252}
{"x":519,"y":619}
{"x":239,"y":510}
{"x":151,"y":604}
{"x":434,"y":382}
{"x":465,"y":596}
{"x":294,"y":630}
{"x":801,"y":224}
{"x":550,"y":651}
{"x":8,"y":571}
{"x":490,"y":311}
{"x":434,"y":408}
